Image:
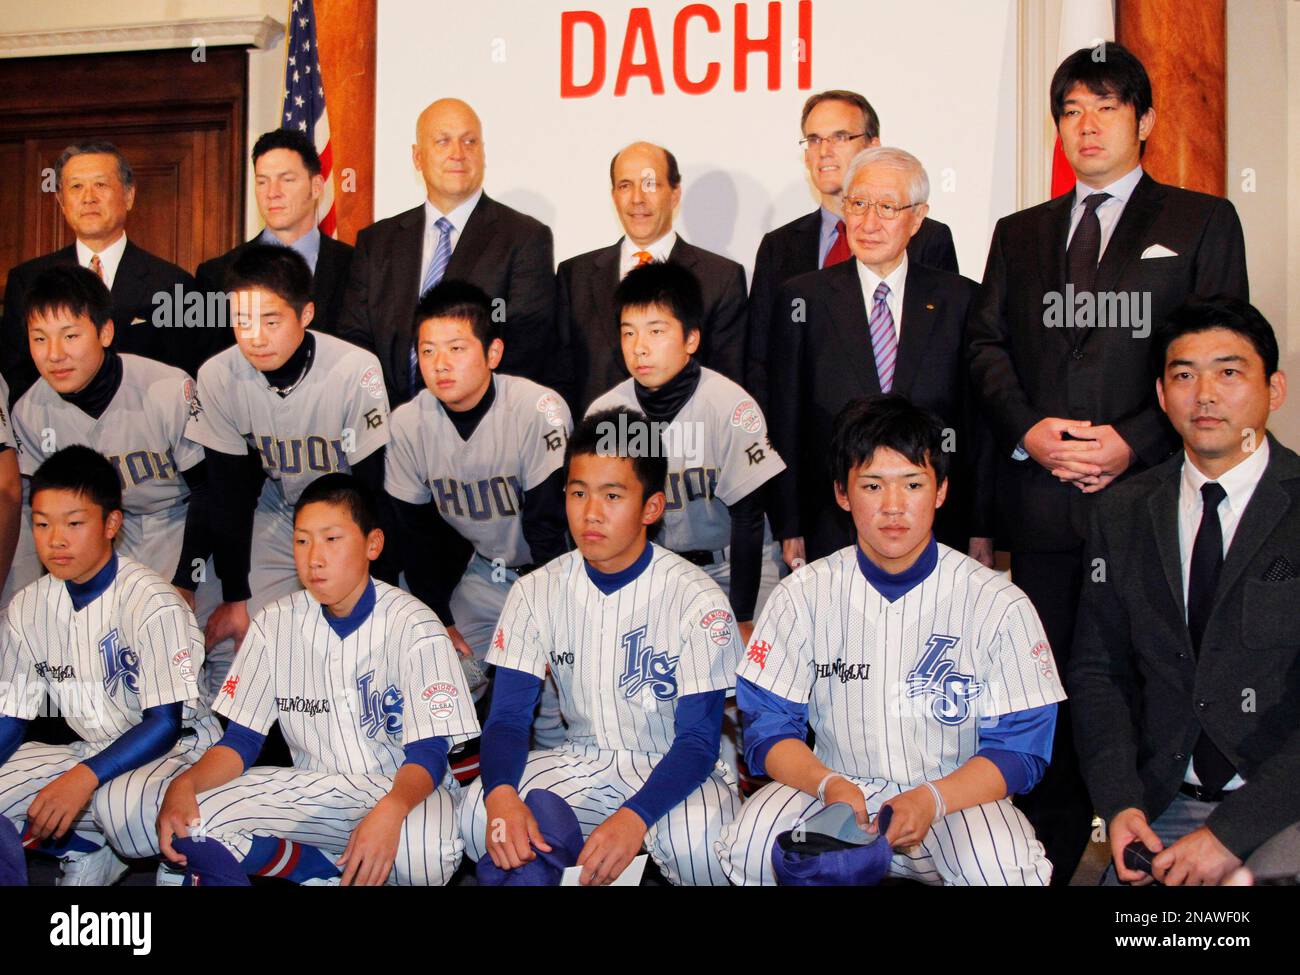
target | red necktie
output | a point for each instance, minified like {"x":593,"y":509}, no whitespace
{"x":840,"y":249}
{"x":97,"y":266}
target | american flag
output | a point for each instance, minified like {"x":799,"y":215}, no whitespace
{"x":304,"y":100}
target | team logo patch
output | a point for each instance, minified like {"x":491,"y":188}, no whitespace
{"x":499,"y":641}
{"x":746,"y":416}
{"x":121,"y":664}
{"x":936,"y":677}
{"x":372,"y":381}
{"x":441,"y":698}
{"x":192,"y":398}
{"x":718,"y":623}
{"x":1042,"y":654}
{"x":228,"y":688}
{"x":552,"y":407}
{"x":757,"y":653}
{"x":380,"y":710}
{"x":645,"y":668}
{"x":181,"y":661}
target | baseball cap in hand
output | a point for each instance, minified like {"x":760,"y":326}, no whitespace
{"x":559,"y":827}
{"x":830,"y":849}
{"x":13,"y":862}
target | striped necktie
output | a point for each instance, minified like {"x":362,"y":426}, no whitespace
{"x":884,"y":343}
{"x":432,"y":275}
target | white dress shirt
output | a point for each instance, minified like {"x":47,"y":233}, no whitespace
{"x":109,"y":258}
{"x":1109,"y":212}
{"x":659,"y":251}
{"x":458,"y":218}
{"x":1239,"y":483}
{"x":896,"y":280}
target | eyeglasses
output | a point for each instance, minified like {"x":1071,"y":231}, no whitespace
{"x":885,"y":210}
{"x":835,"y":139}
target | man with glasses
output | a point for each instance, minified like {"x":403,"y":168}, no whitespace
{"x":836,"y":126}
{"x":878,"y":323}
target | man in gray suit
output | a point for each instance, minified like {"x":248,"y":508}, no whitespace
{"x":1185,"y":674}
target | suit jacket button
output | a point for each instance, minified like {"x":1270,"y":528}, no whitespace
{"x":1181,"y":655}
{"x":1203,"y":704}
{"x":1180,"y":756}
{"x":1076,"y":354}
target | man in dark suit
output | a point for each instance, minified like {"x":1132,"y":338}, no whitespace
{"x":1071,"y":405}
{"x":876,"y":323}
{"x":836,"y":126}
{"x":647,"y":187}
{"x":288,"y":184}
{"x":1185,"y":674}
{"x":459,"y":232}
{"x":95,"y":189}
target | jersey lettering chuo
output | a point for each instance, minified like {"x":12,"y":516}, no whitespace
{"x":718,"y":453}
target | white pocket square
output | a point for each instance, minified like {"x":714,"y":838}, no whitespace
{"x":141,"y":321}
{"x":1158,"y":250}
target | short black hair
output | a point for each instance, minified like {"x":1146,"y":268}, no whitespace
{"x":72,"y":289}
{"x":870,"y":120}
{"x":622,"y":432}
{"x":345,"y":490}
{"x":666,"y":284}
{"x":279,"y":270}
{"x":674,"y":174}
{"x":290,"y":139}
{"x":81,"y":470}
{"x":1107,"y":69}
{"x":1219,"y":311}
{"x":459,"y":299}
{"x":886,"y":420}
{"x":94,"y":147}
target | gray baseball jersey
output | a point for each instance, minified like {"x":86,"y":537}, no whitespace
{"x":349,"y":704}
{"x":142,"y":433}
{"x":898,"y":690}
{"x":135,"y":646}
{"x":6,"y":423}
{"x":479,"y":484}
{"x":620,"y":661}
{"x":336,"y":416}
{"x":718,"y":453}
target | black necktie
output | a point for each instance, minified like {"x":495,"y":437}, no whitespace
{"x":1211,"y":765}
{"x":1085,"y":246}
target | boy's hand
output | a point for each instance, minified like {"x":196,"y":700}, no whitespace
{"x":178,"y":815}
{"x":512,"y":829}
{"x":56,"y":806}
{"x":372,"y":847}
{"x":611,"y":847}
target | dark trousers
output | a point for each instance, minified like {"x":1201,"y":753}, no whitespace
{"x":1058,"y":807}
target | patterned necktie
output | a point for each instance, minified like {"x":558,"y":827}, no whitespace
{"x":884,"y":343}
{"x":432,"y":275}
{"x":1211,"y":765}
{"x":840,"y":249}
{"x":97,"y":266}
{"x":643,"y":258}
{"x":1085,"y":247}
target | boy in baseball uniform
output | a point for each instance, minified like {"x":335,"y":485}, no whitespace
{"x":639,"y":641}
{"x":117,"y":652}
{"x":926,"y":677}
{"x":370,"y":696}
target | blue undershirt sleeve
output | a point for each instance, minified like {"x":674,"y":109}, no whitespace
{"x":431,"y":755}
{"x":246,"y":742}
{"x":1020,"y":745}
{"x":11,"y":736}
{"x":152,"y":738}
{"x":694,"y":752}
{"x":767,"y":718}
{"x":503,"y":752}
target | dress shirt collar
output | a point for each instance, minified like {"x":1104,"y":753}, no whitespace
{"x":1239,"y":482}
{"x":307,"y":246}
{"x":110,"y":257}
{"x":458,"y":217}
{"x":1121,"y":189}
{"x":870,"y":280}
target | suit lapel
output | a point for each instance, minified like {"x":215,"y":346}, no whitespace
{"x":919,"y":304}
{"x":472,"y":243}
{"x":1267,"y":506}
{"x":848,"y":318}
{"x":807,"y":240}
{"x":1139,"y":213}
{"x":128,"y":284}
{"x":407,"y":251}
{"x":604,"y":281}
{"x":324,"y":273}
{"x":1163,"y":505}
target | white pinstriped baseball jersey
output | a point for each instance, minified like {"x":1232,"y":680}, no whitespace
{"x":142,"y":433}
{"x":349,"y":704}
{"x":718,"y":452}
{"x":479,"y":484}
{"x":620,"y":661}
{"x":899,"y":690}
{"x":335,"y":417}
{"x":133,"y":647}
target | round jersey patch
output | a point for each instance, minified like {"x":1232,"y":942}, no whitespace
{"x":553,"y":408}
{"x":372,"y":381}
{"x":441,"y":698}
{"x":181,"y":661}
{"x":746,"y":416}
{"x":718,"y":625}
{"x":1042,"y":654}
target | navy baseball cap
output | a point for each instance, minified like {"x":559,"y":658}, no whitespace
{"x":13,"y":862}
{"x":830,"y":849}
{"x":559,"y":827}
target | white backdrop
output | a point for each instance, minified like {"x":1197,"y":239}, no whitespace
{"x":940,"y":73}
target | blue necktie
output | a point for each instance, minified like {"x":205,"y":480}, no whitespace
{"x":432,"y":275}
{"x":884,"y":343}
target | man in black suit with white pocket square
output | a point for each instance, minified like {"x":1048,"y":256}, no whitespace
{"x":1185,"y":674}
{"x":1059,"y":340}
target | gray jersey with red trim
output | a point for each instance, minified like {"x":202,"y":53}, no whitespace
{"x":718,"y":453}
